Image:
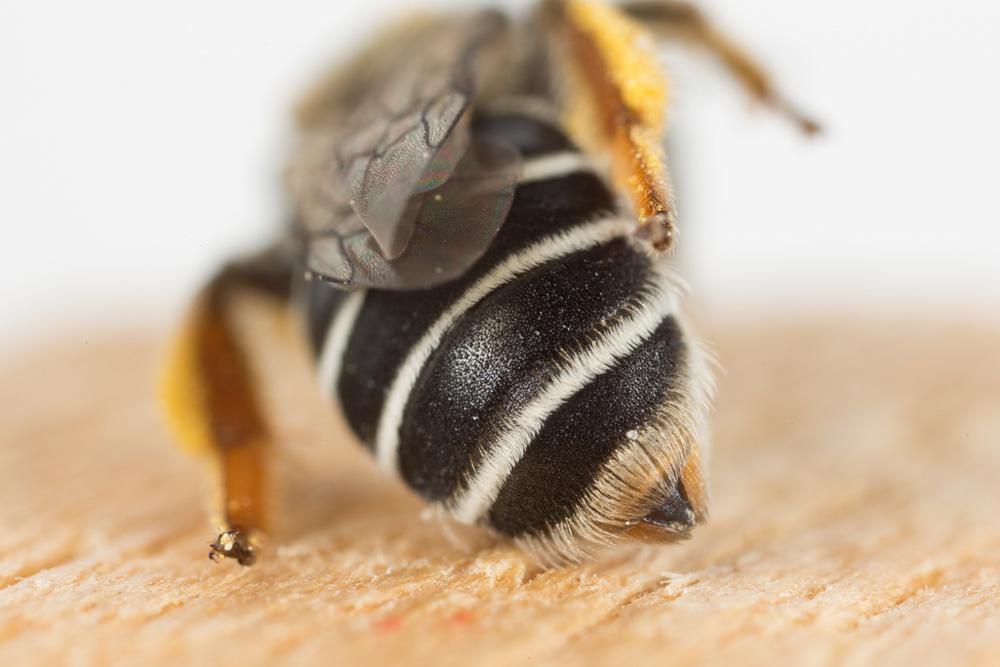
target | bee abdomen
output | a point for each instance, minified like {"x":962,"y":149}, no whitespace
{"x":569,"y":450}
{"x":547,"y":393}
{"x":377,"y":329}
{"x":503,"y":354}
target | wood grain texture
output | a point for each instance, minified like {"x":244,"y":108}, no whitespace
{"x":856,"y":477}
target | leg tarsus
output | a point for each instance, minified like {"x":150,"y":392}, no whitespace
{"x":212,"y":403}
{"x":233,"y":544}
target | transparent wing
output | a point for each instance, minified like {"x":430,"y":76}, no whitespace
{"x":394,"y":191}
{"x":452,"y":228}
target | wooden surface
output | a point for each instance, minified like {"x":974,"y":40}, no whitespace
{"x":856,"y":478}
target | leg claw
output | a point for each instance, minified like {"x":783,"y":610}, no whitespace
{"x":232,"y":544}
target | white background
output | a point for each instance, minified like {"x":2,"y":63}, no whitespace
{"x":140,"y":142}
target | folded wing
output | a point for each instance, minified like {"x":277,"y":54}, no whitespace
{"x":391,"y":188}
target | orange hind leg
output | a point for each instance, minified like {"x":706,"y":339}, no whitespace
{"x":684,"y":21}
{"x":211,"y":402}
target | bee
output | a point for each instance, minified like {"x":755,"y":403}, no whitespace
{"x":479,"y":252}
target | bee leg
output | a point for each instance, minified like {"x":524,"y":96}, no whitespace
{"x":682,"y":20}
{"x":210,"y":400}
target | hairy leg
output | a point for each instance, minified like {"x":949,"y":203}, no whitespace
{"x":211,"y":402}
{"x":684,"y":21}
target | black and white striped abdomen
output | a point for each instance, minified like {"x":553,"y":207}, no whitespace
{"x":550,"y":392}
